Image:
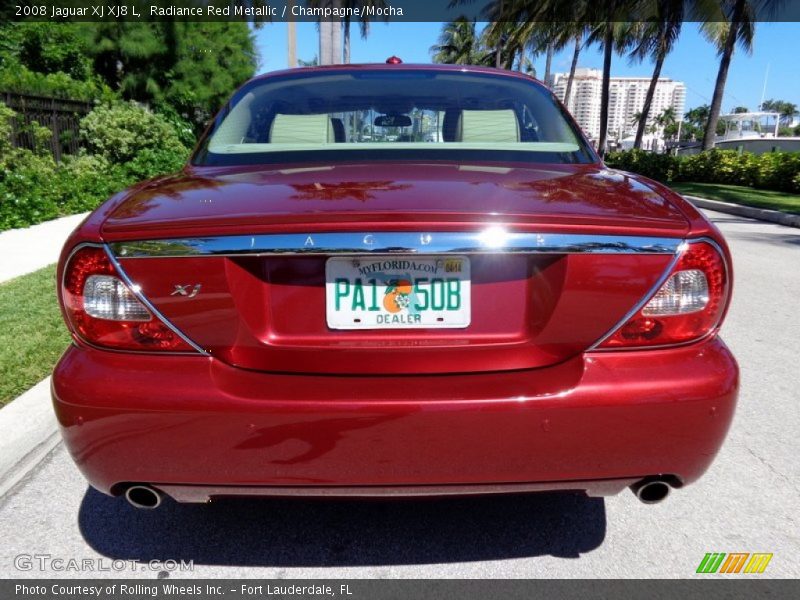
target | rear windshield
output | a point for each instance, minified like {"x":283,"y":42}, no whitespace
{"x":385,"y":115}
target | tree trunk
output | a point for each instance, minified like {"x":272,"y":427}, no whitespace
{"x":330,"y":39}
{"x":498,"y":50}
{"x":648,"y":101}
{"x":509,"y":64}
{"x":347,"y":41}
{"x":336,"y":38}
{"x":719,"y":89}
{"x":573,"y":66}
{"x":548,"y":64}
{"x":608,"y":50}
{"x":325,"y":42}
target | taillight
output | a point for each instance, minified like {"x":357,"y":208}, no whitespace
{"x":687,"y":307}
{"x":104,"y":311}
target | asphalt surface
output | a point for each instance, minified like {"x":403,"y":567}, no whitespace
{"x":747,"y":502}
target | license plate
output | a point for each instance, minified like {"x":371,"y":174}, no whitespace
{"x":390,"y":292}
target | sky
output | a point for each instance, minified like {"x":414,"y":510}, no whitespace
{"x":694,"y":61}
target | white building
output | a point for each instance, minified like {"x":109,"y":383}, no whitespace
{"x":626,"y":98}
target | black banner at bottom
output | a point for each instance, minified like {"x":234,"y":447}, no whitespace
{"x":395,"y":589}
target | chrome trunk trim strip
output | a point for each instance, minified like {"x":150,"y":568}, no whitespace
{"x":492,"y":240}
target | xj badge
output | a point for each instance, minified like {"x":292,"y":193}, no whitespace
{"x":187,"y":290}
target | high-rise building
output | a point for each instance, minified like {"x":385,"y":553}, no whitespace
{"x":626,"y":99}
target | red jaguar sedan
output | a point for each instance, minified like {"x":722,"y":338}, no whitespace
{"x":394,"y":280}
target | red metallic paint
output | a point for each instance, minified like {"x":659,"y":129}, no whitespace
{"x":556,"y":417}
{"x":194,"y":420}
{"x":269,"y":314}
{"x":383,"y":195}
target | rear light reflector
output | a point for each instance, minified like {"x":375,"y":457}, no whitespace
{"x":686,"y":308}
{"x":684,"y":292}
{"x":103,"y":311}
{"x":106,"y":297}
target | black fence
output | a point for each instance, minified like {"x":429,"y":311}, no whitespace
{"x":60,"y":116}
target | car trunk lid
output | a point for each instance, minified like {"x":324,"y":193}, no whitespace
{"x":218,"y":201}
{"x":255,"y":245}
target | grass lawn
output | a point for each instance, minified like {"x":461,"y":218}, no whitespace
{"x":32,"y":334}
{"x":741,"y":195}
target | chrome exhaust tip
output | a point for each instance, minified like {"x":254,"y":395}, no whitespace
{"x":651,"y":491}
{"x":143,"y":497}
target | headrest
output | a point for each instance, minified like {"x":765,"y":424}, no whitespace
{"x":489,"y":126}
{"x":301,"y":129}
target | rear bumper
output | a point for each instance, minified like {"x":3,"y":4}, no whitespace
{"x":197,"y":428}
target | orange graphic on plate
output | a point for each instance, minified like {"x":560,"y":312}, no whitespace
{"x":396,"y":295}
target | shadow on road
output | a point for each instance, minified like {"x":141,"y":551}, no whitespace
{"x":284,"y":533}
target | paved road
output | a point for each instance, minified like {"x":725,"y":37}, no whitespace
{"x":747,"y":502}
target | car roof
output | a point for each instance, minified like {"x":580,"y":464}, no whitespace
{"x":300,"y":71}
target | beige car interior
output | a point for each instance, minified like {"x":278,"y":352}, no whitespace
{"x":471,"y":126}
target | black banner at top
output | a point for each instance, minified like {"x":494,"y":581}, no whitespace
{"x":266,"y":11}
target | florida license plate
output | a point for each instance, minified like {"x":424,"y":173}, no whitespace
{"x":391,"y":292}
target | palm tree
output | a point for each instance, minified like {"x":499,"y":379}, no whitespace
{"x":508,"y":39}
{"x":515,"y":25}
{"x":363,"y":22}
{"x":667,"y":122}
{"x":666,"y":118}
{"x":525,"y":64}
{"x":498,"y":49}
{"x":580,"y":32}
{"x":788,"y":113}
{"x":548,"y":38}
{"x":458,"y":44}
{"x":553,"y":36}
{"x":698,"y":116}
{"x":613,"y":34}
{"x":786,"y":110}
{"x":314,"y":62}
{"x":330,"y":34}
{"x":739,"y":29}
{"x":656,"y":40}
{"x":604,"y":20}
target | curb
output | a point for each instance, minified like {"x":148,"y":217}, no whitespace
{"x":28,"y":432}
{"x":762,"y":214}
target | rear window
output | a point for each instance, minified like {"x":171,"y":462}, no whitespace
{"x":385,"y":115}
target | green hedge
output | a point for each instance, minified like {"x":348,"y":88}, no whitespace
{"x":127,"y":143}
{"x":778,"y":171}
{"x":21,"y":80}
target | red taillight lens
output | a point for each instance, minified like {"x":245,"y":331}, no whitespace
{"x":104,"y":311}
{"x":687,"y":307}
